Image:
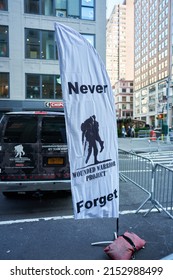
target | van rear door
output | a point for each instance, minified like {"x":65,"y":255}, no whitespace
{"x":19,"y":148}
{"x":54,"y":163}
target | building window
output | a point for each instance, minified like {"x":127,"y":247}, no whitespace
{"x":3,"y":5}
{"x":90,"y":38}
{"x":33,"y":86}
{"x":48,"y":45}
{"x":47,"y":7}
{"x":32,"y":43}
{"x":32,"y":6}
{"x":74,"y":8}
{"x":83,"y":9}
{"x":87,"y":9}
{"x":40,"y":44}
{"x":4,"y":85}
{"x":61,"y":8}
{"x":43,"y":86}
{"x":4,"y":41}
{"x":67,"y":8}
{"x":48,"y":88}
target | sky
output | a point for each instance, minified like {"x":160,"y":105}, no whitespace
{"x":110,"y":5}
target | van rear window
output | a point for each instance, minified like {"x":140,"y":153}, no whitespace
{"x":21,"y":129}
{"x":53,"y":130}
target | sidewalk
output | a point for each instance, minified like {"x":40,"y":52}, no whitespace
{"x":143,"y":145}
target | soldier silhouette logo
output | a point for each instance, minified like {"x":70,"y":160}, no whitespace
{"x":90,"y":137}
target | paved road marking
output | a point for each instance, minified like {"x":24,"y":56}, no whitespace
{"x":10,"y":222}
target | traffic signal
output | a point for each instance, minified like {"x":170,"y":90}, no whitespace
{"x":160,"y":116}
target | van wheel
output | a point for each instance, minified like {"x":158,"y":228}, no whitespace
{"x":9,"y":194}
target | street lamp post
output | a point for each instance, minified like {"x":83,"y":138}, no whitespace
{"x":167,"y":105}
{"x":169,"y":79}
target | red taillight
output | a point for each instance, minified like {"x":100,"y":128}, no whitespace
{"x":67,"y":175}
{"x":40,"y":113}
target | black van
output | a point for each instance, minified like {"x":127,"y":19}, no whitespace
{"x":33,"y":152}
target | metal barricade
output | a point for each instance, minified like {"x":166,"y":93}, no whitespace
{"x":138,"y":170}
{"x":147,"y":144}
{"x":163,"y":189}
{"x":153,"y":178}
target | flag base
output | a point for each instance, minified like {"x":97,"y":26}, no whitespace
{"x":116,"y":233}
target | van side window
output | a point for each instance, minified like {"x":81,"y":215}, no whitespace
{"x":53,"y":130}
{"x":21,"y":129}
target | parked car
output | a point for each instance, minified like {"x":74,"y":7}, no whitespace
{"x":143,"y":133}
{"x":33,"y":152}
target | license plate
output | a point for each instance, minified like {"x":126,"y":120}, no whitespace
{"x":56,"y":161}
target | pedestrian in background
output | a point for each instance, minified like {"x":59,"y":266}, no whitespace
{"x":123,"y":131}
{"x":132,"y":132}
{"x":129,"y":131}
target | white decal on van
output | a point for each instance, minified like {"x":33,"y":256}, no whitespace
{"x":19,"y":152}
